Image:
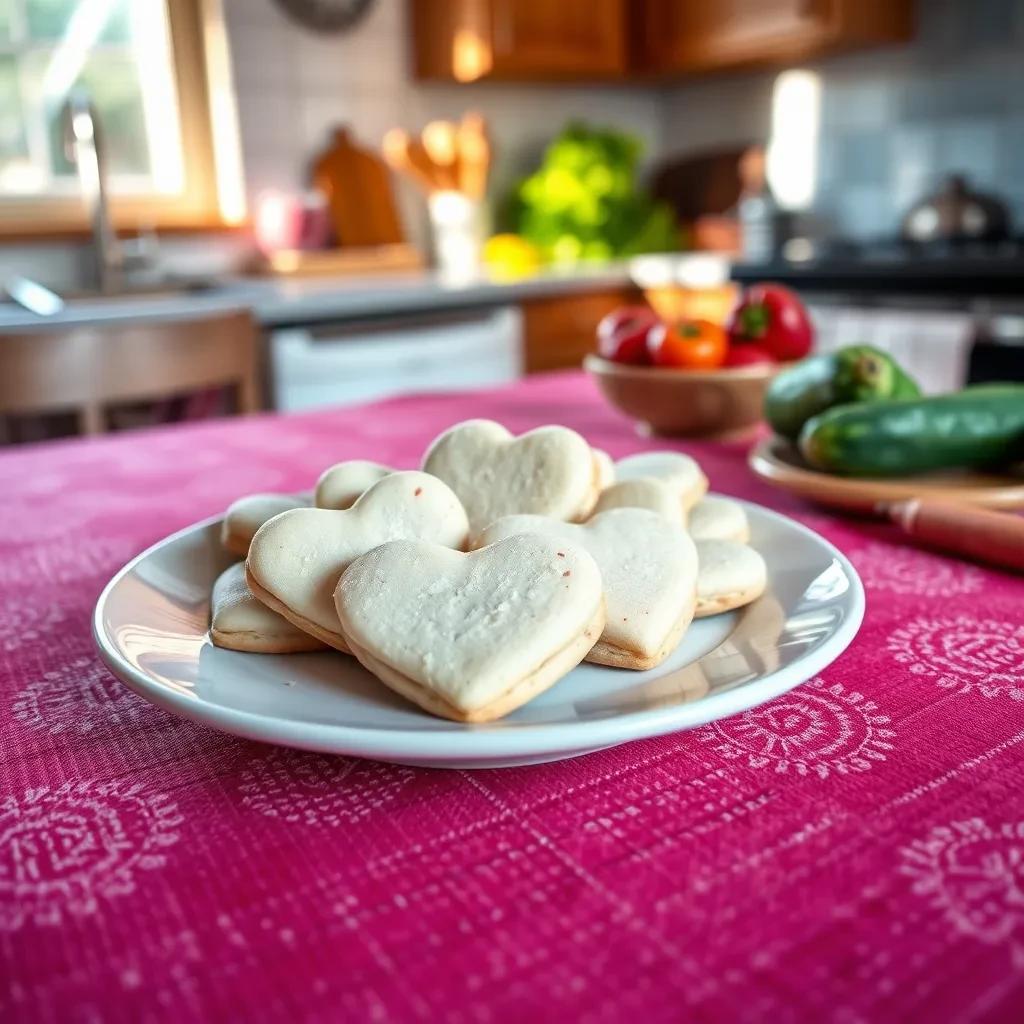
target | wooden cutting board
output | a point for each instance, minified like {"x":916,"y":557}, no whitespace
{"x":376,"y":259}
{"x":357,"y":186}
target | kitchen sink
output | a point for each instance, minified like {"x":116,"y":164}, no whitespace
{"x":40,"y":303}
{"x":147,"y":290}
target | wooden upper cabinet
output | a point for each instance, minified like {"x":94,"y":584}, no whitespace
{"x":686,"y":36}
{"x":547,"y":40}
{"x":519,"y":40}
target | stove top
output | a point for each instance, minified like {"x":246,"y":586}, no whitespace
{"x":898,"y":249}
{"x":894,"y":266}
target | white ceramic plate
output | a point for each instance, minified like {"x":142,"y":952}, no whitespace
{"x":151,"y":627}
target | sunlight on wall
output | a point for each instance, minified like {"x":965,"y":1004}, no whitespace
{"x":227,"y":142}
{"x":793,"y":149}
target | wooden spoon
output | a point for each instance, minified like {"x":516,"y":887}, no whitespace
{"x":474,"y":149}
{"x":404,"y":154}
{"x":441,"y":145}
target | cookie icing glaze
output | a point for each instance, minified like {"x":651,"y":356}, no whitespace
{"x":341,"y":485}
{"x":678,"y":471}
{"x":730,"y":575}
{"x":714,"y":518}
{"x":649,"y":575}
{"x":246,"y":515}
{"x":548,"y":471}
{"x":295,"y":559}
{"x":241,"y":623}
{"x":646,"y":493}
{"x":472,"y":636}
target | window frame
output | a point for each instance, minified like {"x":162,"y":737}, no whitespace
{"x":200,"y":68}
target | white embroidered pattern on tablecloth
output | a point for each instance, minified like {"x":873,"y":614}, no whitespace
{"x":26,"y":620}
{"x":973,"y":873}
{"x":64,"y":851}
{"x":818,"y":729}
{"x":78,"y":698}
{"x":963,"y":653}
{"x":906,"y":571}
{"x":316,"y":790}
{"x":70,"y":559}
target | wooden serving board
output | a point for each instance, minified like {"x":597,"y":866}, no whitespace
{"x":779,"y":463}
{"x":370,"y":259}
{"x":357,"y":186}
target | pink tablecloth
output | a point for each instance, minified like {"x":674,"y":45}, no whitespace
{"x":852,"y":852}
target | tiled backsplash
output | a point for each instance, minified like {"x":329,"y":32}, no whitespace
{"x":295,"y":85}
{"x":894,"y":122}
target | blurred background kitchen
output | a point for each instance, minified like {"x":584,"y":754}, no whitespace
{"x":210,"y":206}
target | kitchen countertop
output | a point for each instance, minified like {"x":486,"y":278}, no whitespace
{"x":292,"y":302}
{"x":284,"y":302}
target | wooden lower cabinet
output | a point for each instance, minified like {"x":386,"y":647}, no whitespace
{"x":558,"y":332}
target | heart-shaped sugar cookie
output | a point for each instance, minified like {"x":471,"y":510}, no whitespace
{"x":647,"y":493}
{"x":549,"y":471}
{"x":679,"y":472}
{"x":648,"y":571}
{"x":605,"y":468}
{"x":238,"y":622}
{"x":341,"y":485}
{"x":730,"y":575}
{"x":246,"y":515}
{"x":295,"y":560}
{"x":471,"y":636}
{"x":714,"y":518}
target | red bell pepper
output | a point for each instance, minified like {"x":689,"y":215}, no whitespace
{"x":775,"y":319}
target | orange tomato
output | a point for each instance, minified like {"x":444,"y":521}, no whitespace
{"x":688,"y":345}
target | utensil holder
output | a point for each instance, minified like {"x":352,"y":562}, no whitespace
{"x":459,"y":226}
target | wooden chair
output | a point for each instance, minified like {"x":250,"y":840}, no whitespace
{"x":86,"y":369}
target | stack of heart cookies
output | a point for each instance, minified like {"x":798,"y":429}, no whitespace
{"x":474,"y":584}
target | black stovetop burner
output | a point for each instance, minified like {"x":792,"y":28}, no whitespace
{"x":899,"y":250}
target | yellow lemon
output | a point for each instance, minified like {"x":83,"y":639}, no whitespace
{"x":511,"y":256}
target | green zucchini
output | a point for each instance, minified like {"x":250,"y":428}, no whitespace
{"x":979,"y":426}
{"x":857,"y":373}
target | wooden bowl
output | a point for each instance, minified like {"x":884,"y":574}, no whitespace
{"x":685,"y":403}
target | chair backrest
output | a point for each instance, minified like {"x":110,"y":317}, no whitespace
{"x":87,"y":368}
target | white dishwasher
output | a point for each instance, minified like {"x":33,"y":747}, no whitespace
{"x":344,"y":363}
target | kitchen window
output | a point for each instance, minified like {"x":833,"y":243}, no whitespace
{"x":158,"y":76}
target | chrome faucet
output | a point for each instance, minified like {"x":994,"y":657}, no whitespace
{"x":83,"y":146}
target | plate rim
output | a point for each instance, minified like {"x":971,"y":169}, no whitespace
{"x":478,"y":743}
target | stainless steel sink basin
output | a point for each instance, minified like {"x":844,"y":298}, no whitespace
{"x":33,"y":304}
{"x":147,"y":290}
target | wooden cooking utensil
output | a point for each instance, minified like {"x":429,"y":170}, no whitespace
{"x":446,"y":156}
{"x":975,"y":533}
{"x":440,"y":141}
{"x":407,"y":156}
{"x":475,"y":152}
